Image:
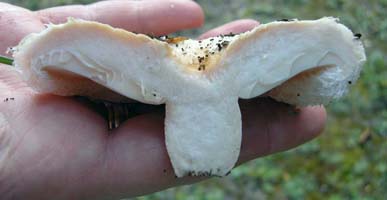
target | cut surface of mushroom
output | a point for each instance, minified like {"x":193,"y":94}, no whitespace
{"x":203,"y":138}
{"x":296,"y":62}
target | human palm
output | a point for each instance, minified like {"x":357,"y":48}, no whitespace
{"x":55,"y":147}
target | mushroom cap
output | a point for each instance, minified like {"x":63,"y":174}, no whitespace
{"x":93,"y":59}
{"x":298,"y":62}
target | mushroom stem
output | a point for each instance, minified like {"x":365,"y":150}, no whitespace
{"x":203,"y":138}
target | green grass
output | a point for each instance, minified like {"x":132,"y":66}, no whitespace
{"x":349,"y":161}
{"x":5,"y":60}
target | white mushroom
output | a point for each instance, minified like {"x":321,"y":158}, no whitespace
{"x":298,"y":62}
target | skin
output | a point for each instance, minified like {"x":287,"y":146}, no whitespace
{"x":59,"y":148}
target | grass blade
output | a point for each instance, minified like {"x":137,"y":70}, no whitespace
{"x":5,"y":60}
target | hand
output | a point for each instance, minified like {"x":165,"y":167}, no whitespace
{"x":57,"y":148}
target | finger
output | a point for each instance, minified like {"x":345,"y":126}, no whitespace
{"x":149,"y":17}
{"x":15,"y":23}
{"x":277,"y":127}
{"x":238,"y":26}
{"x":137,"y":148}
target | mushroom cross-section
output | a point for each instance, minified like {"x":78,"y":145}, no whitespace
{"x":297,"y":62}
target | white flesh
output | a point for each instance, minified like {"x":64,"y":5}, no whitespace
{"x":299,"y":62}
{"x":203,"y":131}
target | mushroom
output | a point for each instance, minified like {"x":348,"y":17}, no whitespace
{"x":297,"y":62}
